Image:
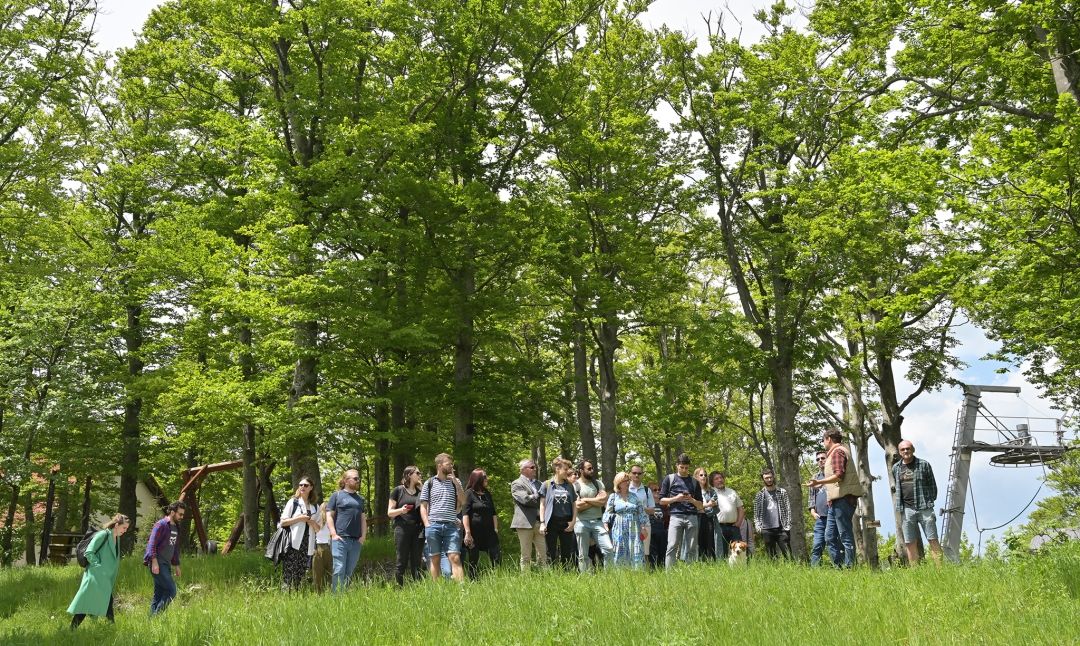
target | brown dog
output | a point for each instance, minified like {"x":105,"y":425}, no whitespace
{"x":736,"y":554}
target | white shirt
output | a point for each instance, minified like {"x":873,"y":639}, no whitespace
{"x":293,"y":508}
{"x":322,"y":537}
{"x":727,"y":505}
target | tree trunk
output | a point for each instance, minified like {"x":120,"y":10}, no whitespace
{"x":581,"y":392}
{"x":404,"y":440}
{"x":866,"y":503}
{"x":787,"y":447}
{"x":249,"y":448}
{"x":1060,"y":53}
{"x":6,"y":557}
{"x":7,"y":538}
{"x":63,"y":522}
{"x":250,"y":509}
{"x":184,"y":529}
{"x":303,"y":451}
{"x":464,"y":428}
{"x":382,"y":458}
{"x":131,"y":429}
{"x":890,"y":432}
{"x":403,"y":445}
{"x":608,"y":343}
{"x":271,"y":515}
{"x":658,"y":461}
{"x":540,"y":458}
{"x":84,"y":525}
{"x":28,"y":531}
{"x":47,"y":521}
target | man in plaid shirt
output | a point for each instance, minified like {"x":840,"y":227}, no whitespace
{"x":772,"y":516}
{"x":915,"y":495}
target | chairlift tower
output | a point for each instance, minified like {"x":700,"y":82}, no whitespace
{"x":1015,"y":448}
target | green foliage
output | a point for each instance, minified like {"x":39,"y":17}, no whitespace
{"x":369,"y":232}
{"x":1062,"y":510}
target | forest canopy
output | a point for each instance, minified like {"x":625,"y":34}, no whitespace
{"x":315,"y":234}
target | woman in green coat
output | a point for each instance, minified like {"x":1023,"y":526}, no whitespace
{"x":95,"y":593}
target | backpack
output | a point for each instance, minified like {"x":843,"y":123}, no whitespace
{"x":80,"y":549}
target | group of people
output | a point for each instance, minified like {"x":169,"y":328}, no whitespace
{"x":568,"y":520}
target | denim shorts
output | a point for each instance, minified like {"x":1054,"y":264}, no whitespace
{"x":915,"y":518}
{"x":442,"y":537}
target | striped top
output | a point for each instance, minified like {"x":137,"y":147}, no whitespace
{"x":441,"y":497}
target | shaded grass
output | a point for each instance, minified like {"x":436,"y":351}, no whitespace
{"x":236,"y":600}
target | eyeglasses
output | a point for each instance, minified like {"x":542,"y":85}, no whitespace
{"x":305,"y":484}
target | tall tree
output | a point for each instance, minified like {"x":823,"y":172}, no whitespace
{"x":767,"y":118}
{"x":995,"y":83}
{"x":45,"y":48}
{"x":625,"y":202}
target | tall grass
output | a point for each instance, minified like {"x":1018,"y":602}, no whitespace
{"x":237,"y":600}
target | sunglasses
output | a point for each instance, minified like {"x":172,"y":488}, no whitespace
{"x":305,"y":484}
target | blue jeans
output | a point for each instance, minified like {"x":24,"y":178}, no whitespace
{"x":682,"y":538}
{"x":164,"y":587}
{"x":585,"y":531}
{"x":819,"y":540}
{"x":840,"y":533}
{"x":346,"y":553}
{"x":442,"y":538}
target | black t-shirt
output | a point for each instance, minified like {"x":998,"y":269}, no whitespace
{"x":562,"y":499}
{"x":907,"y":484}
{"x":401,"y":497}
{"x":480,"y":508}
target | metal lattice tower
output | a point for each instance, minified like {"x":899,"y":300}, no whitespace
{"x":1014,"y":448}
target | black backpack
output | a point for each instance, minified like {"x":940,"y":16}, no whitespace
{"x":80,"y":549}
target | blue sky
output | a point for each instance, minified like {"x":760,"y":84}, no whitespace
{"x":930,"y":421}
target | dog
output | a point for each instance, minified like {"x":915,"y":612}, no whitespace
{"x":736,"y":554}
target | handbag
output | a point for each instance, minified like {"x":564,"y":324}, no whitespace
{"x":277,"y":545}
{"x":279,"y":541}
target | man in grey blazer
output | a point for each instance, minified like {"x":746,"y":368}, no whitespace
{"x":526,"y":522}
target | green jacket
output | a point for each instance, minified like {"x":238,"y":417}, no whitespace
{"x":98,"y":579}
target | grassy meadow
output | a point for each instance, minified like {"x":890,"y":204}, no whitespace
{"x":236,"y":600}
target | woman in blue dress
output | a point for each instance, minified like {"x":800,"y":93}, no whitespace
{"x":626,"y":521}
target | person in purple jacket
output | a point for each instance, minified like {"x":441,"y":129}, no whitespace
{"x":163,"y":551}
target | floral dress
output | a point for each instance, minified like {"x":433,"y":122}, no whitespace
{"x":626,"y":518}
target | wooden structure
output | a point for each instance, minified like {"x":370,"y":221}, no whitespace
{"x":192,"y":478}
